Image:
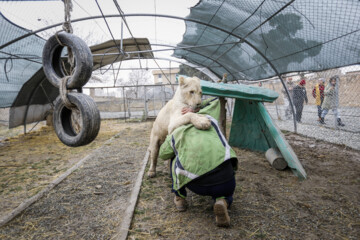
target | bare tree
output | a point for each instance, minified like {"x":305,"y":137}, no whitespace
{"x":136,"y":78}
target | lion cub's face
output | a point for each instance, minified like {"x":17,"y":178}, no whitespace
{"x":190,"y":90}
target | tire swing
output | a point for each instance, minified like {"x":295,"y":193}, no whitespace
{"x":76,"y":118}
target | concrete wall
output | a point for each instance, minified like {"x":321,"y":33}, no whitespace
{"x":171,"y":75}
{"x":4,"y":116}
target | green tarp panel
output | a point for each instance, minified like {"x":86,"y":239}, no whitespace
{"x":252,"y":127}
{"x":248,"y":129}
{"x":239,"y":91}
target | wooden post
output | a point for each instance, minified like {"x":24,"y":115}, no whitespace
{"x":222,"y":118}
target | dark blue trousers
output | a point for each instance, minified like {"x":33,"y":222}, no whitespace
{"x":225,"y":190}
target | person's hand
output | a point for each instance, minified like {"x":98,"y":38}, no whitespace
{"x":188,"y":109}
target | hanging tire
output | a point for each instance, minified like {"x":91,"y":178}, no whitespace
{"x":89,"y":120}
{"x":52,"y":60}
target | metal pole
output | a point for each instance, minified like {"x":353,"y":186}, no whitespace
{"x":291,"y":102}
{"x":28,"y":105}
{"x":163,"y":96}
{"x":121,"y":40}
{"x":276,"y":106}
{"x":124,"y":102}
{"x":170,"y":71}
{"x":145,"y":104}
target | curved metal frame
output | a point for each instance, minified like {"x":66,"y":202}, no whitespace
{"x":166,"y":45}
{"x":172,"y":17}
{"x":188,"y":64}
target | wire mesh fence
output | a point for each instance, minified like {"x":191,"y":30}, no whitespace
{"x":321,"y":110}
{"x":139,"y":102}
{"x":325,"y":104}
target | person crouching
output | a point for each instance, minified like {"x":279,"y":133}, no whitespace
{"x":203,"y":162}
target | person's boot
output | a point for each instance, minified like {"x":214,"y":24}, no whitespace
{"x":221,"y":213}
{"x":180,"y":203}
{"x":340,"y":123}
{"x":322,"y":121}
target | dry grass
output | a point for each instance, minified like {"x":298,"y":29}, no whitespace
{"x":88,"y":204}
{"x":29,"y":162}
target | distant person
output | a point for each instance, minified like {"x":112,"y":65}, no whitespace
{"x":318,"y":94}
{"x":299,"y":96}
{"x":224,"y":79}
{"x":331,"y":101}
{"x":288,"y":109}
{"x":260,"y":84}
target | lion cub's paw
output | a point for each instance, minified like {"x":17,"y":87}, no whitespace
{"x":202,"y":123}
{"x":151,"y":174}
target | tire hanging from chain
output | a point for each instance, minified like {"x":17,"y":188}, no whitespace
{"x":76,"y":118}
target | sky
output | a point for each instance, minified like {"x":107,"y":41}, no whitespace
{"x":34,"y":15}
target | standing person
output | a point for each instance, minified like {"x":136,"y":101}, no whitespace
{"x":290,"y":87}
{"x":299,"y":96}
{"x":318,"y":94}
{"x":331,"y":100}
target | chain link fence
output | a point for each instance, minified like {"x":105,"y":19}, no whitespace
{"x":323,"y":110}
{"x":145,"y":101}
{"x":139,"y":102}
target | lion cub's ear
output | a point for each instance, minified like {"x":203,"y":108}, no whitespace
{"x":181,"y":81}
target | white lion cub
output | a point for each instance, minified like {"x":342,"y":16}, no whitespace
{"x":188,"y":95}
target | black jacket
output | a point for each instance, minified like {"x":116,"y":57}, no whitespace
{"x":299,"y":95}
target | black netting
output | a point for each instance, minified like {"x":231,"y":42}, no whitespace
{"x":291,"y":35}
{"x":18,"y":61}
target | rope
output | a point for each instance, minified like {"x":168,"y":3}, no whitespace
{"x":70,"y":60}
{"x":67,"y":23}
{"x":64,"y":91}
{"x":68,"y":7}
{"x":75,"y":113}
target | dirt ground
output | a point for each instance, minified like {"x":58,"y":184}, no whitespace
{"x":268,"y":204}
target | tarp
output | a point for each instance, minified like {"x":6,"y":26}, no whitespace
{"x":272,"y":37}
{"x":129,"y":45}
{"x":33,"y":100}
